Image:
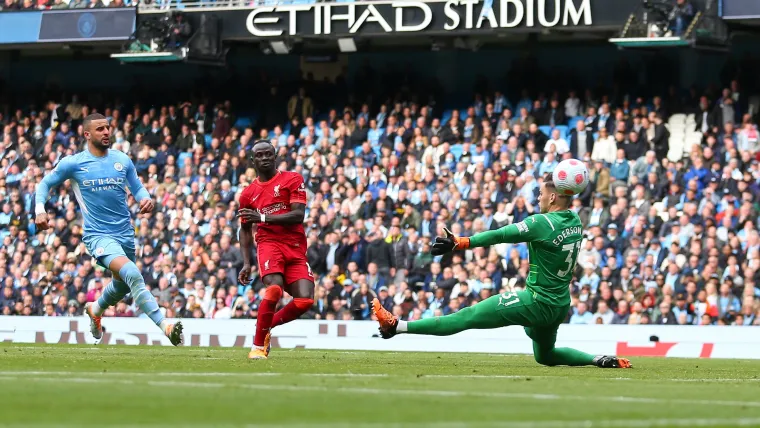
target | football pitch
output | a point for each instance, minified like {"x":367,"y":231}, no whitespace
{"x":59,"y":385}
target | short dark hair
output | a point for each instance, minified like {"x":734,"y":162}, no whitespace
{"x":263,"y":141}
{"x":549,"y":183}
{"x":90,"y":118}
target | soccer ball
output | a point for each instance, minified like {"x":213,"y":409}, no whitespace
{"x":570,"y":177}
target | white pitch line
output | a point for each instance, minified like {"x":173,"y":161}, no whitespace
{"x":360,"y":375}
{"x":416,"y":392}
{"x":620,"y":423}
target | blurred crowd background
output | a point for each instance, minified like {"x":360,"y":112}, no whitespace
{"x":671,"y":214}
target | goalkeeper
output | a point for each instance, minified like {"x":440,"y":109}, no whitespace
{"x":554,"y":239}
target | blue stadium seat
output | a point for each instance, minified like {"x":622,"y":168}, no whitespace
{"x":358,"y":150}
{"x":446,"y":116}
{"x":242,"y":123}
{"x":571,"y":123}
{"x":456,"y":150}
{"x":182,"y":158}
{"x":546,"y":129}
{"x":596,"y":136}
{"x":377,"y":151}
{"x":207,"y":138}
{"x":286,"y":129}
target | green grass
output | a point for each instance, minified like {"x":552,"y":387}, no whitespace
{"x":129,"y":386}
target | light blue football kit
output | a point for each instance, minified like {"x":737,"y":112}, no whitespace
{"x":99,"y":185}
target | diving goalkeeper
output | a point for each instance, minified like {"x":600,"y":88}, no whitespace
{"x":554,"y":239}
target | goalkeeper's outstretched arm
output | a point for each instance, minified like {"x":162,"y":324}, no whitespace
{"x":532,"y":229}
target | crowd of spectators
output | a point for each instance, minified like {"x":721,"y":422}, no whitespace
{"x":668,"y":241}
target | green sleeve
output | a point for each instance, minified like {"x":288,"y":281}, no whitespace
{"x":532,"y":229}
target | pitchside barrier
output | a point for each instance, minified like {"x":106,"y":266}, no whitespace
{"x":650,"y":340}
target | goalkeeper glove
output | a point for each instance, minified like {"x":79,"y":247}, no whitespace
{"x":449,"y":243}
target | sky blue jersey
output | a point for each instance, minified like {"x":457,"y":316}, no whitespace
{"x":99,"y":184}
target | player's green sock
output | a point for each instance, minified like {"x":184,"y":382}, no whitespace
{"x":479,"y":316}
{"x":561,"y":356}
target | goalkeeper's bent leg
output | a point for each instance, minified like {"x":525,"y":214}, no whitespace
{"x":546,"y":354}
{"x":561,"y":356}
{"x":481,"y":316}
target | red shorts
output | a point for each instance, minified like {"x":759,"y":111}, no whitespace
{"x":287,"y":260}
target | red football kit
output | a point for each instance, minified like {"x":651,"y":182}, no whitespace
{"x":280,"y":248}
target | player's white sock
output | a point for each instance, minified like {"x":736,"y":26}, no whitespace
{"x":164,"y":324}
{"x":96,"y":309}
{"x":401,"y":327}
{"x":259,"y":348}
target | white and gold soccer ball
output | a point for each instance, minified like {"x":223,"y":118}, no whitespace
{"x":570,"y":177}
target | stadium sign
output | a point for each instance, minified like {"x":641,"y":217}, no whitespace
{"x":414,"y":16}
{"x":635,"y":341}
{"x":421,"y":17}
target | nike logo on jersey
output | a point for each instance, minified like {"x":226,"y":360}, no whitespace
{"x":253,"y":199}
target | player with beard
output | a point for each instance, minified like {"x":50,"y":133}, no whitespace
{"x":99,"y":177}
{"x":276,"y":204}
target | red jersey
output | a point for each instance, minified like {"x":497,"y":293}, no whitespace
{"x":274,"y":197}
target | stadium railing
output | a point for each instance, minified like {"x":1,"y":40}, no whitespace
{"x":200,"y":4}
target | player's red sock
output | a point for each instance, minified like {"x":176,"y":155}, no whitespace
{"x":292,"y":311}
{"x":272,"y":295}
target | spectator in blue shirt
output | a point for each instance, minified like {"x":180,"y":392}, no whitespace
{"x":5,"y":216}
{"x":682,"y":307}
{"x":699,"y":172}
{"x":590,"y":278}
{"x":374,"y":133}
{"x":727,"y":301}
{"x":548,"y":165}
{"x":582,"y":315}
{"x":620,"y":170}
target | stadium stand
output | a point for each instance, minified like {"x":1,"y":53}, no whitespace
{"x":671,"y":214}
{"x":389,"y":158}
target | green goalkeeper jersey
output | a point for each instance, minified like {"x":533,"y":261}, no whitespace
{"x":554,"y":240}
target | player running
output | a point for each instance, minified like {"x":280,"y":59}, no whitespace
{"x":98,"y":176}
{"x":276,"y":203}
{"x":554,"y":239}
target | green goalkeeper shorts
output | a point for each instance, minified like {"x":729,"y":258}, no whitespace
{"x":540,"y":320}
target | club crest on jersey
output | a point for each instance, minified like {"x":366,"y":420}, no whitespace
{"x":118,"y":166}
{"x":277,"y":191}
{"x":99,"y":251}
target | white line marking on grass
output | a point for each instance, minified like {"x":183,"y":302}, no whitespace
{"x":42,"y":348}
{"x":361,"y":375}
{"x":620,"y":423}
{"x":415,"y":392}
